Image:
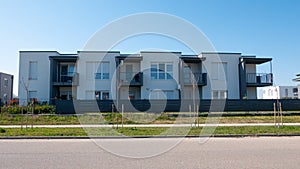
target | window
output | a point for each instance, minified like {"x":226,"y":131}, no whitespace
{"x":68,"y":69}
{"x":219,"y":71}
{"x":187,"y":74}
{"x":5,"y":83}
{"x":32,"y":95}
{"x":286,"y":91}
{"x":161,"y":71}
{"x":105,"y":95}
{"x":295,"y":92}
{"x":67,"y":72}
{"x":102,"y":71}
{"x":33,"y":70}
{"x":97,"y":70}
{"x":101,"y":95}
{"x":66,"y":95}
{"x":270,"y":92}
{"x":219,"y":94}
{"x":215,"y":94}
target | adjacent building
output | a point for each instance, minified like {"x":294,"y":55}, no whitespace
{"x":6,"y":88}
{"x":280,"y":92}
{"x":106,"y":75}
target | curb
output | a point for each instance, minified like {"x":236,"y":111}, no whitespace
{"x":141,"y":137}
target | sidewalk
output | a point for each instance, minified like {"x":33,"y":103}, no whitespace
{"x":149,"y":125}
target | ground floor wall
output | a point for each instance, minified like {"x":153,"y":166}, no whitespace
{"x":84,"y":106}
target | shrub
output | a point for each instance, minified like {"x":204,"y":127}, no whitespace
{"x":38,"y":109}
{"x":2,"y":130}
{"x":44,"y":109}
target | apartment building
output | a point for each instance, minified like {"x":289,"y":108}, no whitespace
{"x":6,"y":88}
{"x":110,"y":75}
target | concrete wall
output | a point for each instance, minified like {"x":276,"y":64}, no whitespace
{"x":251,"y":93}
{"x":152,"y":86}
{"x":250,"y":68}
{"x":88,"y":85}
{"x":232,"y":74}
{"x":6,"y":90}
{"x":41,"y":84}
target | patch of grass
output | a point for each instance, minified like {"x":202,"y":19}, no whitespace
{"x":151,"y":131}
{"x":136,"y":118}
{"x":44,"y":132}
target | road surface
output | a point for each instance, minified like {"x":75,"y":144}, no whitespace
{"x":249,"y":152}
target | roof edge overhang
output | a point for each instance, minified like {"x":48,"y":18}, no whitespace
{"x":254,"y":60}
{"x":192,"y":59}
{"x":64,"y":57}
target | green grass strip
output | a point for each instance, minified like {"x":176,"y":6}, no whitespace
{"x":153,"y":131}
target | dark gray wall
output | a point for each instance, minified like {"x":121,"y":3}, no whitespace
{"x":82,"y":106}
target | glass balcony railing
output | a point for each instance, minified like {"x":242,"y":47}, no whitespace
{"x":259,"y":79}
{"x":71,"y":78}
{"x":131,"y":78}
{"x":199,"y":79}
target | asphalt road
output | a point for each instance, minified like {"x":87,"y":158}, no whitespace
{"x":261,"y":152}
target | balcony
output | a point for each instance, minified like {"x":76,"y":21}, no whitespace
{"x":200,"y":79}
{"x":67,"y":80}
{"x":259,"y":79}
{"x":131,"y":78}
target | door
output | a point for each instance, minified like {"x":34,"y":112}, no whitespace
{"x":129,"y":72}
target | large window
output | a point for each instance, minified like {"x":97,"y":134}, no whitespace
{"x":219,"y":71}
{"x":5,"y":84}
{"x":219,"y":94}
{"x":161,"y":71}
{"x":67,"y":72}
{"x":97,"y":70}
{"x":33,"y":70}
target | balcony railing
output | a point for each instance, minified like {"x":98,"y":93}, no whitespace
{"x":68,"y":79}
{"x":259,"y":79}
{"x":131,"y":78}
{"x":199,"y":79}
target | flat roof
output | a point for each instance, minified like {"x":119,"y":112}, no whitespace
{"x":254,"y":60}
{"x":229,"y":53}
{"x":160,"y":52}
{"x":96,"y":51}
{"x":6,"y":74}
{"x":128,"y":57}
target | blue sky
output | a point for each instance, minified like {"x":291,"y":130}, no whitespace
{"x":265,"y":28}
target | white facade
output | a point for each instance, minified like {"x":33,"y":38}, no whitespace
{"x":160,"y":88}
{"x":280,"y":92}
{"x":148,"y":75}
{"x":223,"y":75}
{"x":34,"y":73}
{"x":88,"y":64}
